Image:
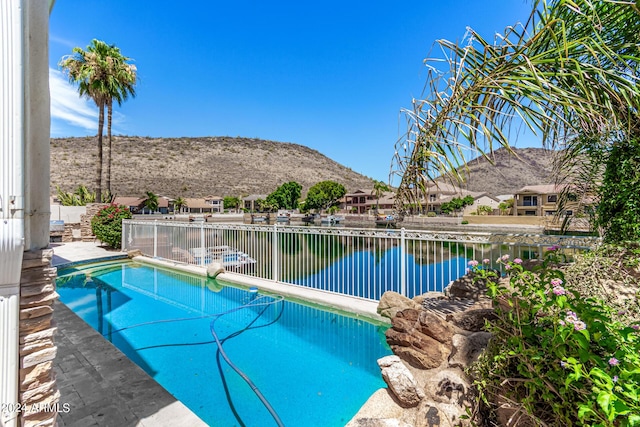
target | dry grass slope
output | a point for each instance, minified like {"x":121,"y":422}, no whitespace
{"x":196,"y":167}
{"x":532,"y":166}
{"x":226,"y":166}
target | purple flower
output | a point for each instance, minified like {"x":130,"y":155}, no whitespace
{"x":563,"y":363}
{"x":614,"y":362}
{"x":507,"y":267}
{"x":559,"y":290}
{"x":572,"y":318}
{"x":614,"y":379}
{"x":486,"y":261}
{"x":556,"y":282}
{"x":553,"y":248}
{"x":636,"y":327}
{"x":561,"y":322}
{"x":473,"y":263}
{"x":517,"y":261}
{"x":579,"y":325}
{"x":505,"y":257}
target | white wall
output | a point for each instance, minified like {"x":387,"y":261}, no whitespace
{"x":68,"y":214}
{"x":481,"y":201}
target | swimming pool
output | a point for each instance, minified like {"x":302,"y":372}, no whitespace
{"x":313,"y":367}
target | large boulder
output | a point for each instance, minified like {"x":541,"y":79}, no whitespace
{"x":474,"y":318}
{"x":400,"y":381}
{"x":420,"y":338}
{"x":467,"y":349}
{"x":392,"y":302}
{"x":449,"y":400}
{"x":468,"y":286}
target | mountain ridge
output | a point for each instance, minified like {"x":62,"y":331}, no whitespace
{"x":196,"y":166}
{"x":236,"y":166}
{"x":509,"y":173}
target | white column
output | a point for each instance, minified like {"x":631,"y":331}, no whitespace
{"x":24,"y":168}
{"x":11,"y":200}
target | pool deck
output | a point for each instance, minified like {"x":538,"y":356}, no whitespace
{"x":101,"y":386}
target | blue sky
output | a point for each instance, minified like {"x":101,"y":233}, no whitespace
{"x":330,"y":75}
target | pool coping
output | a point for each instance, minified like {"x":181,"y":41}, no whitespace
{"x":342,"y":304}
{"x":91,"y":261}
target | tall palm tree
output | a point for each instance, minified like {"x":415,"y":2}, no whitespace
{"x":89,"y":69}
{"x":121,"y":84}
{"x":569,"y":74}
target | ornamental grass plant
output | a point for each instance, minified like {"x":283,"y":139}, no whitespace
{"x":558,"y":357}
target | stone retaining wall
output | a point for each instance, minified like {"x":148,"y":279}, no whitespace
{"x":38,"y":393}
{"x":85,"y":221}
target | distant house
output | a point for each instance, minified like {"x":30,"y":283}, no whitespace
{"x":538,"y":200}
{"x":209,"y":204}
{"x":439,"y":193}
{"x":386,"y":202}
{"x":249,"y":202}
{"x":356,"y":202}
{"x":133,"y":203}
{"x":136,"y":204}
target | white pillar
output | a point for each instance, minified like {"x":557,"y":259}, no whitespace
{"x":11,"y":200}
{"x":24,"y":168}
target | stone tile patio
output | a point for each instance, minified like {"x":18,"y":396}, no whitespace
{"x":98,"y":384}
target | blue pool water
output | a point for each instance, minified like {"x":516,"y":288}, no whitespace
{"x":315,"y":368}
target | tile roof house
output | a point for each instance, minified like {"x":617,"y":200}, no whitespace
{"x":537,"y":200}
{"x":439,"y":193}
{"x":136,"y":204}
{"x":362,"y":201}
{"x":209,"y":204}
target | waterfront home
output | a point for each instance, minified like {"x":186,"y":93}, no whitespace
{"x":539,"y":200}
{"x":249,"y":202}
{"x":136,"y":204}
{"x":362,"y":201}
{"x":209,"y":204}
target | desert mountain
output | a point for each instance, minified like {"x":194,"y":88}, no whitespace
{"x":226,"y":166}
{"x":196,"y":167}
{"x":509,"y":173}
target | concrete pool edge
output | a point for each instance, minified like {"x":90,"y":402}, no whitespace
{"x":343,"y":304}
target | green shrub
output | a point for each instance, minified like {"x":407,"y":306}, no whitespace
{"x":464,"y":222}
{"x":431,"y":214}
{"x":106,"y":225}
{"x":566,"y":359}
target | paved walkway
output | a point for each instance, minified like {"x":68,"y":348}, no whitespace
{"x":101,"y":386}
{"x":70,"y":253}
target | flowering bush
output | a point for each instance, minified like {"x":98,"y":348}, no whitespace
{"x":566,"y":359}
{"x":107,"y":224}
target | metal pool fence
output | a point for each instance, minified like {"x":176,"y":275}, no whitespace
{"x":360,"y":262}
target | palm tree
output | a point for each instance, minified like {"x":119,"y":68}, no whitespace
{"x":379,"y":188}
{"x":121,"y":84}
{"x":569,"y":75}
{"x":89,"y":69}
{"x":151,"y":201}
{"x":178,"y":204}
